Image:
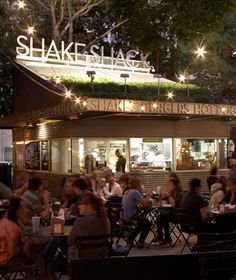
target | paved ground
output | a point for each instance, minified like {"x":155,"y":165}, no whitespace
{"x":155,"y":249}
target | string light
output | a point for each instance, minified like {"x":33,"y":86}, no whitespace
{"x":223,"y":109}
{"x":21,"y":4}
{"x":84,"y":103}
{"x":68,"y":94}
{"x":142,"y":108}
{"x":200,"y":51}
{"x":77,"y":100}
{"x":170,"y":94}
{"x":154,"y":105}
{"x":31,"y":30}
{"x":182,"y":78}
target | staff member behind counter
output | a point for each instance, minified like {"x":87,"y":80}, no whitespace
{"x":121,"y":162}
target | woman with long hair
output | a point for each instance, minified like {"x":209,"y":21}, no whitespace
{"x":94,"y":221}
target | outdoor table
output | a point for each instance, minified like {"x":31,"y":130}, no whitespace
{"x":224,"y":221}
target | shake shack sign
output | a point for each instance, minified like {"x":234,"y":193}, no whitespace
{"x":70,"y":54}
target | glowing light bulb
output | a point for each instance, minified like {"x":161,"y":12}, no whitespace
{"x":170,"y":94}
{"x":77,"y":100}
{"x":31,"y":30}
{"x":68,"y":94}
{"x":142,"y":108}
{"x":223,"y":109}
{"x":182,"y":78}
{"x":21,"y":4}
{"x":154,"y":105}
{"x":200,"y":51}
{"x":84,"y":103}
{"x":57,"y":80}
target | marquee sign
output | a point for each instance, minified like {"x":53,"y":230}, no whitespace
{"x":28,"y":49}
{"x":125,"y":106}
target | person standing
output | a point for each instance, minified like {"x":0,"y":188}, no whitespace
{"x":121,"y":162}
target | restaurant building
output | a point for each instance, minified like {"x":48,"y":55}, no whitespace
{"x":54,"y":137}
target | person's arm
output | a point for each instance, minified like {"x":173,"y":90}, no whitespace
{"x":45,"y":213}
{"x":106,"y":191}
{"x":204,"y":214}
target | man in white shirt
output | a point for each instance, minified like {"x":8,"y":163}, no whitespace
{"x":112,"y":188}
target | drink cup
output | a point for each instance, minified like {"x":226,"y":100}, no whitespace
{"x":35,"y":224}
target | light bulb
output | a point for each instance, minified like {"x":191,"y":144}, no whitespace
{"x":31,"y":30}
{"x":200,"y":51}
{"x":21,"y":4}
{"x":68,"y":94}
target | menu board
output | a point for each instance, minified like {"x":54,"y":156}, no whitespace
{"x":44,"y":155}
{"x":32,"y":156}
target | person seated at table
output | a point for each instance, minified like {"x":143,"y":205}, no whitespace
{"x":112,"y":188}
{"x":35,"y":202}
{"x":93,"y":221}
{"x":14,"y":251}
{"x":195,"y":202}
{"x":80,"y":187}
{"x":171,"y":195}
{"x":21,"y":183}
{"x":218,"y":191}
{"x":213,"y":177}
{"x":68,"y":193}
{"x":230,"y":197}
{"x":124,"y":182}
{"x":133,"y":197}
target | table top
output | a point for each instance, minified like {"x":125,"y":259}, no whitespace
{"x":46,"y":232}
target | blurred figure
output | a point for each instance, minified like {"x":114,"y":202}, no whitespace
{"x":35,"y":201}
{"x":230,"y":197}
{"x":213,"y":178}
{"x":93,"y":222}
{"x":218,"y":191}
{"x":80,"y":187}
{"x":15,"y":251}
{"x":21,"y":183}
{"x":68,"y":193}
{"x":172,"y":194}
{"x":133,"y":197}
{"x":5,"y":192}
{"x":232,"y":164}
{"x":124,"y":182}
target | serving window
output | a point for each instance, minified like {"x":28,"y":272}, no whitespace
{"x":151,"y":153}
{"x":200,"y":153}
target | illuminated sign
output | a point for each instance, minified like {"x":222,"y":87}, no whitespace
{"x":28,"y":49}
{"x":124,"y":106}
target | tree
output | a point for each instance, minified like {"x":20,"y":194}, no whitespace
{"x":216,"y":72}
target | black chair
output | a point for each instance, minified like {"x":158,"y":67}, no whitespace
{"x":23,"y":271}
{"x":215,"y":242}
{"x":217,"y":265}
{"x":96,"y":243}
{"x":184,"y":222}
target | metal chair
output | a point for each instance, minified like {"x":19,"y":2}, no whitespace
{"x":218,"y":265}
{"x":23,"y":271}
{"x":184,"y":222}
{"x":95,"y":245}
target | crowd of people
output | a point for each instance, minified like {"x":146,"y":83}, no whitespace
{"x":89,"y":205}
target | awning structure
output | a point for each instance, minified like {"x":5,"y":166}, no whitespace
{"x":36,"y":100}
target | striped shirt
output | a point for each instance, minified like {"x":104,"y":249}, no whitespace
{"x":33,"y":207}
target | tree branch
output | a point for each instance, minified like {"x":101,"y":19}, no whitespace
{"x":104,"y":34}
{"x":84,"y":10}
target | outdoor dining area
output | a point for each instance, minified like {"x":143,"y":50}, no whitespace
{"x":42,"y":237}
